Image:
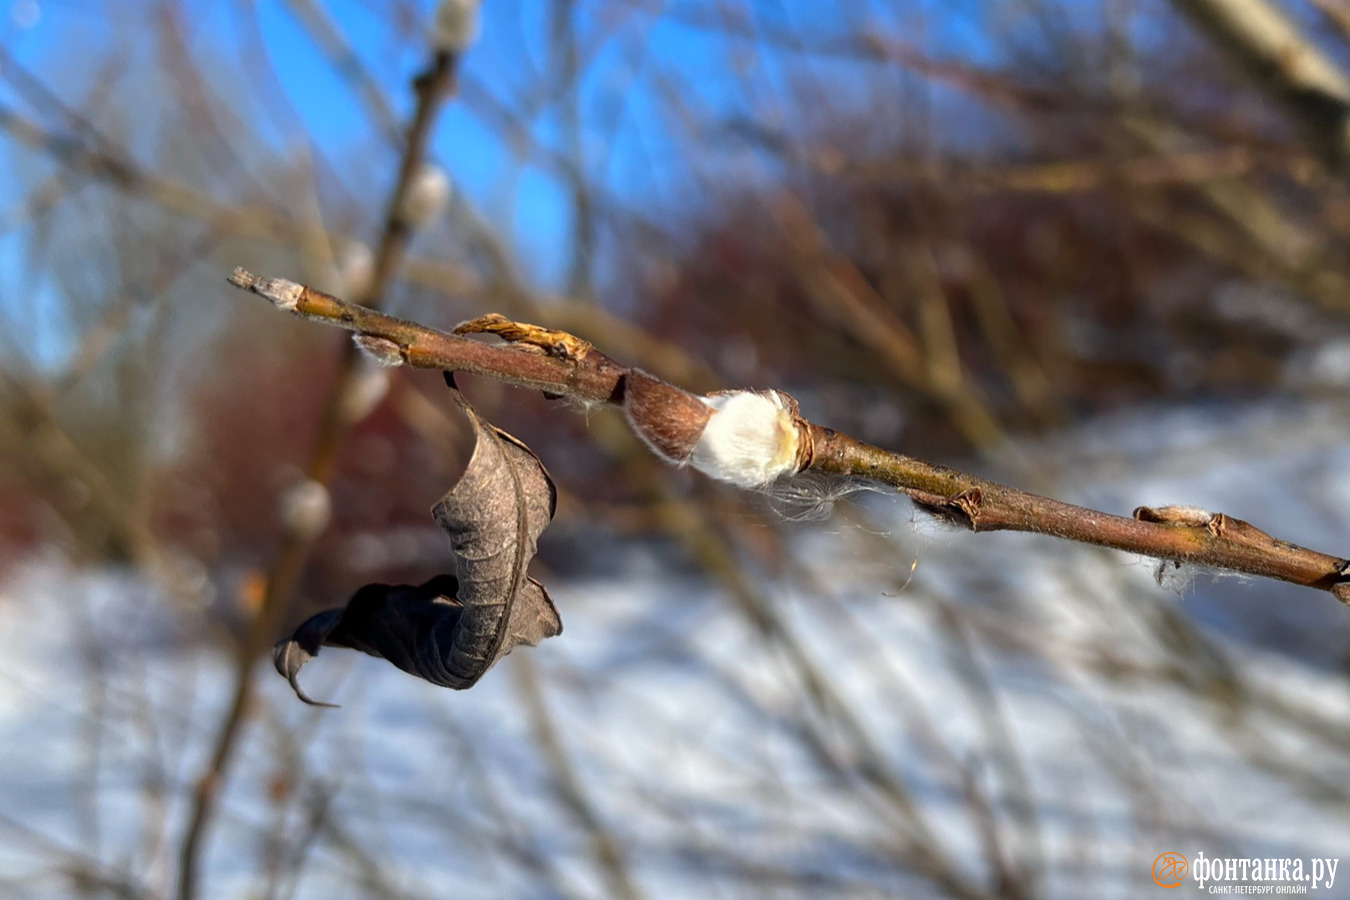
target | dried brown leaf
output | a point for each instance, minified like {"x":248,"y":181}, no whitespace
{"x":453,"y":628}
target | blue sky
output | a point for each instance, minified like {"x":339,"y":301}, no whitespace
{"x":627,"y":140}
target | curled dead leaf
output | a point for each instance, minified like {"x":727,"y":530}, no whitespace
{"x":452,"y":629}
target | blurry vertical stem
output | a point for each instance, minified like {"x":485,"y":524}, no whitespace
{"x":1268,"y":43}
{"x":568,"y":786}
{"x":1021,"y":873}
{"x":334,"y":44}
{"x":566,"y":67}
{"x":844,"y":293}
{"x":914,"y":842}
{"x":432,"y":87}
{"x":1014,"y":352}
{"x":94,"y":722}
{"x":945,"y":371}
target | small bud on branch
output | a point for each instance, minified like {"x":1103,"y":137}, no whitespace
{"x":753,"y":438}
{"x":455,"y":25}
{"x":306,"y":508}
{"x":745,"y":438}
{"x":385,"y":354}
{"x":427,"y":195}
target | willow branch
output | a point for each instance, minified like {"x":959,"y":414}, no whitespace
{"x":565,"y":366}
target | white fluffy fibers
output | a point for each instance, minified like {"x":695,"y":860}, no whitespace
{"x":750,"y":439}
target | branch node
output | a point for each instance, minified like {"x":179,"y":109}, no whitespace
{"x":962,"y":509}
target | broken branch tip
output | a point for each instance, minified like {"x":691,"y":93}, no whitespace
{"x":283,"y":294}
{"x":243,"y":278}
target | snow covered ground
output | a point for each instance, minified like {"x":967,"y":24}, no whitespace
{"x":889,"y":691}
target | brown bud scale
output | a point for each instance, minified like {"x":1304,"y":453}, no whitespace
{"x":668,"y":419}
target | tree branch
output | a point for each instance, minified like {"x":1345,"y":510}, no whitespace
{"x":562,"y":365}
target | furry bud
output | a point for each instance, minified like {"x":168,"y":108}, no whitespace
{"x":427,"y":196}
{"x":745,"y":438}
{"x":750,"y":440}
{"x":306,"y":508}
{"x":455,"y":25}
{"x":380,"y":351}
{"x":355,"y":269}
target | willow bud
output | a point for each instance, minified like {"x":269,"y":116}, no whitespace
{"x":355,"y":269}
{"x":745,"y":438}
{"x":306,"y":508}
{"x":455,"y":25}
{"x":427,"y":196}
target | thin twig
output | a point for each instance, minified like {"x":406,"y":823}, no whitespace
{"x":1180,"y":534}
{"x":1265,"y":40}
{"x":345,"y":62}
{"x":566,"y":782}
{"x":912,"y":838}
{"x":432,"y":88}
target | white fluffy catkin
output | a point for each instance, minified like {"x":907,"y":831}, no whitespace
{"x":749,"y":441}
{"x":455,"y":25}
{"x":427,"y":196}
